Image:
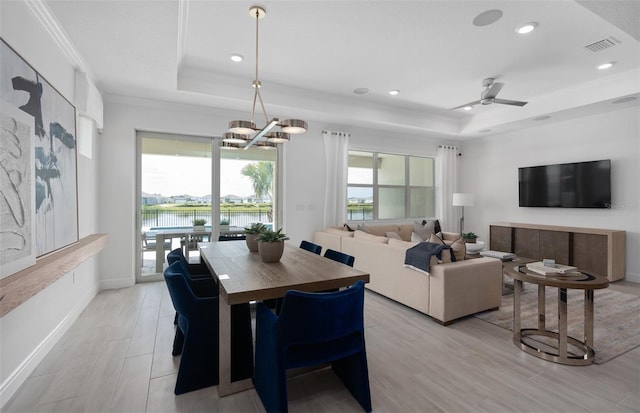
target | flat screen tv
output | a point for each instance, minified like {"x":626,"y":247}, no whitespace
{"x":567,"y":185}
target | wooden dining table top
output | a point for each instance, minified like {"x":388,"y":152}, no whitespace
{"x":243,"y":277}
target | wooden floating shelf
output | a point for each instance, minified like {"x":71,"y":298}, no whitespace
{"x":19,"y":287}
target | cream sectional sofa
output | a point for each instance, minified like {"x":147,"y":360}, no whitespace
{"x":450,"y":291}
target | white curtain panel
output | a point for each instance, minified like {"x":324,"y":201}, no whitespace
{"x":446,"y":184}
{"x":336,"y":146}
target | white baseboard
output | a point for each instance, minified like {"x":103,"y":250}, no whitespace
{"x":21,"y":374}
{"x":632,"y":277}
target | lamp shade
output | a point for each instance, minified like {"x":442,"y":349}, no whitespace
{"x":462,"y":199}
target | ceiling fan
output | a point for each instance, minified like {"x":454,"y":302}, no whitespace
{"x":488,"y":95}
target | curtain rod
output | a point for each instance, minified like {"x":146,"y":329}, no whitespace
{"x":335,"y":133}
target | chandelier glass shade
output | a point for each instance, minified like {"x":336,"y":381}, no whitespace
{"x":245,"y":133}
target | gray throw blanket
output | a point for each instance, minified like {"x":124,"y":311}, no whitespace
{"x":418,"y":257}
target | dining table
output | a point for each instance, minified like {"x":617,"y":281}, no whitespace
{"x":243,"y":278}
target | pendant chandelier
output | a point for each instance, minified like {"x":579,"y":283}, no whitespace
{"x":245,"y":133}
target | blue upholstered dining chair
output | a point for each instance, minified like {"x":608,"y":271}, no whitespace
{"x":312,"y":329}
{"x":204,"y":285}
{"x":339,"y":256}
{"x":310,"y":246}
{"x":198,"y":326}
{"x":196,"y":270}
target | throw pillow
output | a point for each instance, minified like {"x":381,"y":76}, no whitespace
{"x":362,"y":227}
{"x":415,"y":237}
{"x":393,"y":235}
{"x":446,"y":255}
{"x":457,"y":245}
{"x":459,"y":248}
{"x":369,"y":237}
{"x":424,"y":229}
{"x":348,"y":228}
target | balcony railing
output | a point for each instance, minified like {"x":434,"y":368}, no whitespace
{"x":182,"y":218}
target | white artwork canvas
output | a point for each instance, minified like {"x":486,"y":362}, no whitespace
{"x":17,"y":191}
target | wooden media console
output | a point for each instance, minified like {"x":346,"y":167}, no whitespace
{"x":592,"y":250}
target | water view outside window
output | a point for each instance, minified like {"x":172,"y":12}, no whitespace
{"x":176,"y":189}
{"x":389,"y":186}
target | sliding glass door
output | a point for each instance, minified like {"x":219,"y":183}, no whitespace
{"x":182,"y":179}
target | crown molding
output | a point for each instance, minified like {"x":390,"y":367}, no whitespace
{"x":51,"y":25}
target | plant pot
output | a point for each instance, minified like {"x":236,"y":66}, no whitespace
{"x":252,"y":242}
{"x":198,"y":227}
{"x":470,"y":240}
{"x":270,"y":251}
{"x":224,"y":227}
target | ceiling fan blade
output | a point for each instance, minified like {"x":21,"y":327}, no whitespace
{"x":493,"y":91}
{"x":475,"y":102}
{"x":510,"y":102}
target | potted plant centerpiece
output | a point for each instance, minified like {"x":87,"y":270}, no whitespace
{"x":224,"y":224}
{"x":251,"y":235}
{"x":198,"y":224}
{"x":271,"y":245}
{"x":469,"y":237}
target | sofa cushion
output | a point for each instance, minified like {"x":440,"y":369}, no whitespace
{"x":457,"y":247}
{"x":424,"y":229}
{"x":393,"y":235}
{"x":396,"y":243}
{"x":369,"y":237}
{"x":363,"y":228}
{"x":338,"y":232}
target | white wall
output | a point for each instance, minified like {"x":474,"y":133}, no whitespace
{"x":490,"y":171}
{"x":29,"y":331}
{"x":304,"y":174}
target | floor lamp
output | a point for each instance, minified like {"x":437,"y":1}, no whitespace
{"x":462,"y":199}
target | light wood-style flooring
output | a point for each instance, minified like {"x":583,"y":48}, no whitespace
{"x":117,"y":358}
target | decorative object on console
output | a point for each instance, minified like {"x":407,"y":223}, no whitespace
{"x":240,"y":131}
{"x":474,"y":248}
{"x":469,"y":237}
{"x":462,"y":199}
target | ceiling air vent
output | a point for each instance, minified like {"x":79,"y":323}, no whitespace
{"x":602,"y":44}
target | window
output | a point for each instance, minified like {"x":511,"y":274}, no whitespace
{"x":388,"y":186}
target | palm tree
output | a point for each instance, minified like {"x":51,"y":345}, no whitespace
{"x":261,"y":174}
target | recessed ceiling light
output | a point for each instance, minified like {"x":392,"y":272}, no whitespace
{"x":361,"y":91}
{"x":604,"y":66}
{"x":527,"y":28}
{"x":487,"y":17}
{"x":394,"y":92}
{"x":236,"y":57}
{"x":543,"y":117}
{"x":467,"y":108}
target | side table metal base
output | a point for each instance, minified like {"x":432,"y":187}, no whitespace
{"x":580,"y":360}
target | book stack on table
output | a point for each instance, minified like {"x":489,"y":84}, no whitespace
{"x":504,"y":256}
{"x":557,"y":269}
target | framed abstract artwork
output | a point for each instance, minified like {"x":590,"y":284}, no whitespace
{"x":17,"y":191}
{"x":53,"y":120}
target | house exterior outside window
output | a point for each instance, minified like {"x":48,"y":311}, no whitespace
{"x":383,"y":186}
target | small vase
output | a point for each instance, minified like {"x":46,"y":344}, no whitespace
{"x":252,"y":242}
{"x":270,"y":251}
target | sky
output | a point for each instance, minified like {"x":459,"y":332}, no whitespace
{"x":177,"y":175}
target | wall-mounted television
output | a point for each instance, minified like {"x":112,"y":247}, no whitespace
{"x":567,"y":185}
